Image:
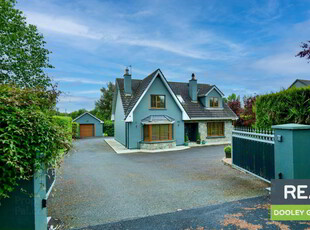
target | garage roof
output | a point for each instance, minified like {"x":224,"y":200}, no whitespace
{"x":90,"y":115}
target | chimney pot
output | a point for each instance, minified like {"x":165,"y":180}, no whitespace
{"x":193,"y":76}
{"x":126,"y":72}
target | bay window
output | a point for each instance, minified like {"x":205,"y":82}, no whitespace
{"x":157,"y":132}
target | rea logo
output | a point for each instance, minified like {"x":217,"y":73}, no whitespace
{"x":296,"y":192}
{"x":290,"y":199}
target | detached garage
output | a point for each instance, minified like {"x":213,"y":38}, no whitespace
{"x":90,"y":126}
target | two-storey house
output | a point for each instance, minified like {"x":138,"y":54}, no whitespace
{"x":153,"y":113}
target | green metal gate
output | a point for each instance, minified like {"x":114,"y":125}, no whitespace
{"x":253,"y":152}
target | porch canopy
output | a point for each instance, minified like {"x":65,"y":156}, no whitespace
{"x":157,"y":119}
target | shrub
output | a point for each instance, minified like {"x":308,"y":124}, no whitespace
{"x":75,"y":130}
{"x":25,"y":133}
{"x":227,"y":151}
{"x":105,"y":134}
{"x":64,"y":123}
{"x":186,"y":138}
{"x":198,"y":136}
{"x":287,"y":106}
{"x":109,"y":127}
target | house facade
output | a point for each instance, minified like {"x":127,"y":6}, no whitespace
{"x":153,"y":113}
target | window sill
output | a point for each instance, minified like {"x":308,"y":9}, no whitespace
{"x":212,"y":137}
{"x":156,"y":142}
{"x":157,"y":109}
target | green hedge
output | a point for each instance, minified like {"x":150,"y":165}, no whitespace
{"x":75,"y":130}
{"x":287,"y":106}
{"x":65,"y":123}
{"x":27,"y":130}
{"x":108,"y":128}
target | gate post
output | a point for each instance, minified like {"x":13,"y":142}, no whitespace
{"x":292,"y":151}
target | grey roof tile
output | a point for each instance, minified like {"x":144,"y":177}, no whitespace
{"x":194,"y":110}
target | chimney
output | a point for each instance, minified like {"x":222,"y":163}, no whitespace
{"x":193,"y":88}
{"x":127,"y":82}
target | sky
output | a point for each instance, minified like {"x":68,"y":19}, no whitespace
{"x":243,"y":47}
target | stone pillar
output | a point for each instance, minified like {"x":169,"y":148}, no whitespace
{"x":292,"y":151}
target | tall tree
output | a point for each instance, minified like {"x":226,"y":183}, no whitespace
{"x":103,"y":107}
{"x":305,"y":53}
{"x":249,"y":115}
{"x":23,"y":55}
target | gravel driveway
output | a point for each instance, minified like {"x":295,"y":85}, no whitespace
{"x":95,"y":185}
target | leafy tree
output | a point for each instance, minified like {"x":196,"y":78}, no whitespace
{"x":103,"y":109}
{"x":77,"y":113}
{"x":23,"y":55}
{"x":305,"y":53}
{"x":233,"y":97}
{"x":233,"y":101}
{"x":249,"y":114}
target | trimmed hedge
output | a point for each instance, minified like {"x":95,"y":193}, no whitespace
{"x":65,"y":123}
{"x":287,"y":106}
{"x":109,"y":128}
{"x":75,"y":130}
{"x":27,"y":131}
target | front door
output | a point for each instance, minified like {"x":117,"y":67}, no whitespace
{"x":191,"y":130}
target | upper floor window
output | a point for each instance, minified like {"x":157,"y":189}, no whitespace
{"x":158,"y":101}
{"x":214,"y":102}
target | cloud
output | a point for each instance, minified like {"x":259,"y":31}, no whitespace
{"x":87,"y":92}
{"x":55,"y":23}
{"x":126,"y":33}
{"x":283,"y":64}
{"x":68,"y":103}
{"x":69,"y":98}
{"x":80,"y":80}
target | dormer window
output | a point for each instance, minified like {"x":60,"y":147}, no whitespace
{"x":214,"y":102}
{"x":158,"y":101}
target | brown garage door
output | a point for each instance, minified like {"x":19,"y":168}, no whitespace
{"x":86,"y":130}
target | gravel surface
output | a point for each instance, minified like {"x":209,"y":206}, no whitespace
{"x":96,"y":186}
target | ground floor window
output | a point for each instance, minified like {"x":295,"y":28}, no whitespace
{"x":215,"y":129}
{"x":157,"y":132}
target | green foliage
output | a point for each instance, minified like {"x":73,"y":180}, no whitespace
{"x":75,"y":130}
{"x":198,"y":136}
{"x":233,"y":97}
{"x":105,"y":134}
{"x":77,"y":113}
{"x":65,"y":124}
{"x":23,"y":55}
{"x":103,"y":109}
{"x":109,"y":128}
{"x":26,"y":130}
{"x":186,"y":138}
{"x":227,"y":151}
{"x":287,"y":106}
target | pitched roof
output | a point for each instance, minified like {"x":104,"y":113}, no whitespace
{"x":305,"y":82}
{"x":194,"y":110}
{"x":90,"y":115}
